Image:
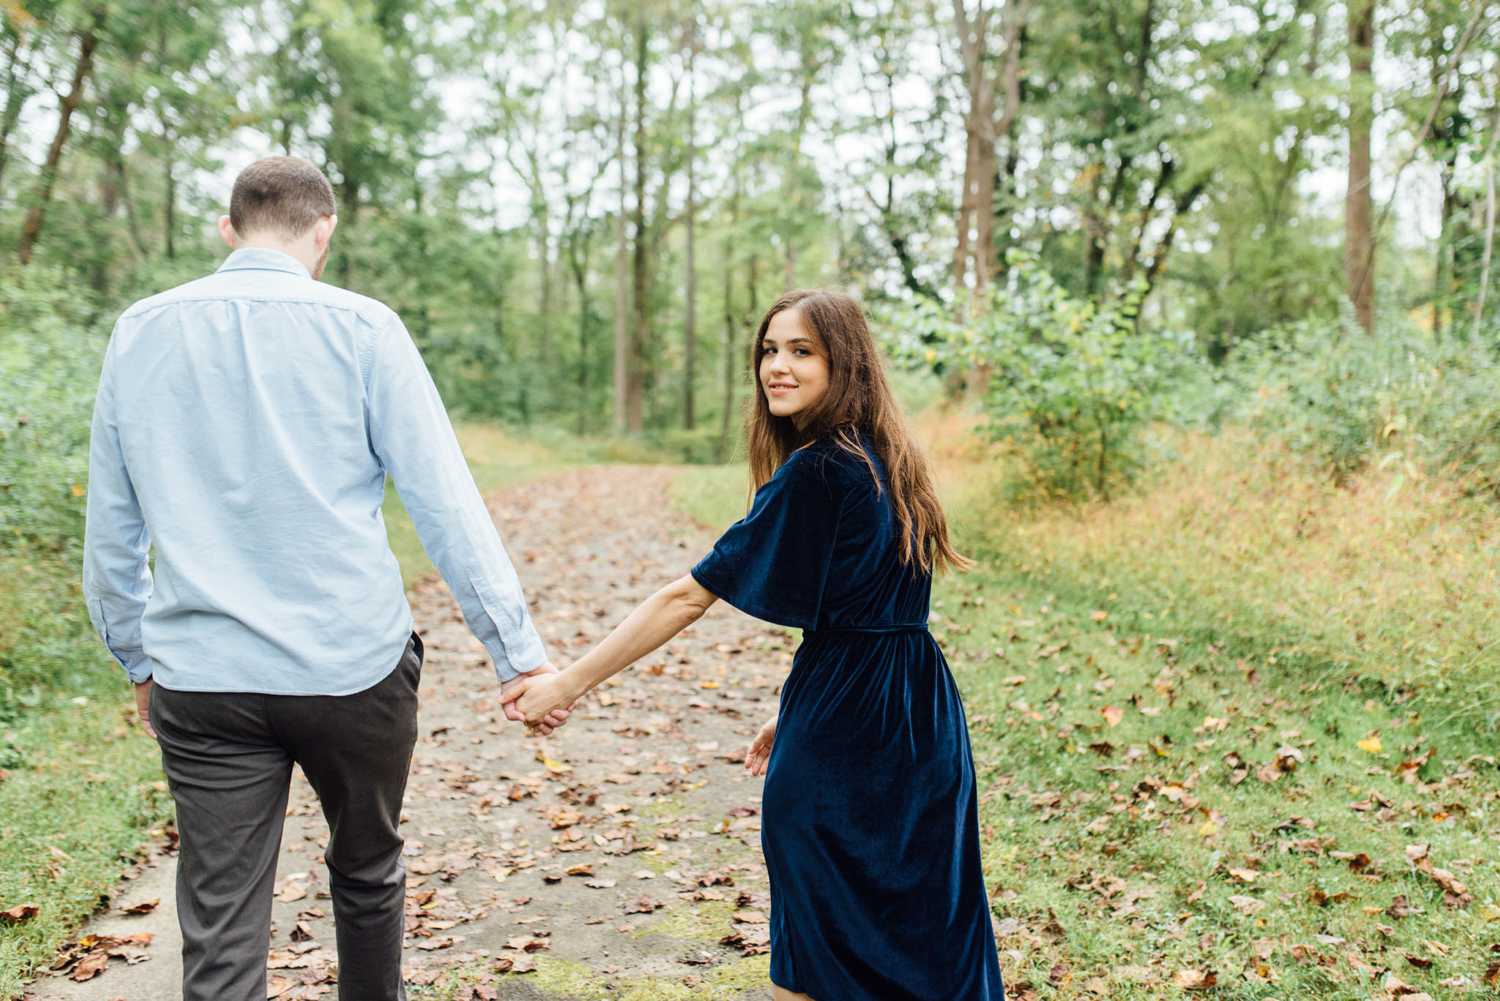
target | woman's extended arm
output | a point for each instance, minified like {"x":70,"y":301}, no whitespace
{"x":660,"y":617}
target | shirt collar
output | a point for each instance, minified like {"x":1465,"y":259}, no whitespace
{"x":264,"y":259}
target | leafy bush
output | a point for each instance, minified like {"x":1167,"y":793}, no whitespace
{"x":1399,"y":395}
{"x":1070,"y":383}
{"x":49,"y":368}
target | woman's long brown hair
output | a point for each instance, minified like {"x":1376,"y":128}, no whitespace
{"x":858,"y":401}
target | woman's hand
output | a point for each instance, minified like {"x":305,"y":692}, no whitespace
{"x":759,"y":754}
{"x":539,"y":696}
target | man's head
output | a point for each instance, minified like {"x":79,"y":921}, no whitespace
{"x":283,"y":203}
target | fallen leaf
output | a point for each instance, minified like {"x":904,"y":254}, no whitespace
{"x":19,"y":913}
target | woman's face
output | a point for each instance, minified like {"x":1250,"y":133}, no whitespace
{"x":793,"y":366}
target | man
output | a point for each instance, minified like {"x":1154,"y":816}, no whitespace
{"x":244,"y":427}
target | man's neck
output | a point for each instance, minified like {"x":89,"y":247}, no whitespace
{"x":301,"y":254}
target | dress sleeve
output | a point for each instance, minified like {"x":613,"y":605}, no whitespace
{"x":773,"y":564}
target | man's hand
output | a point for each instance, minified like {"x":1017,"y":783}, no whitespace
{"x":758,"y":757}
{"x":512,"y":690}
{"x":143,"y":706}
{"x":540,"y":698}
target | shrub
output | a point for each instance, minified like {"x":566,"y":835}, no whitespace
{"x":1070,"y":383}
{"x":1399,"y":395}
{"x":49,"y":369}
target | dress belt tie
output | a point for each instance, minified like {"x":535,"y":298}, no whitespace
{"x":899,"y":627}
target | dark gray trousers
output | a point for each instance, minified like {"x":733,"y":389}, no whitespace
{"x":228,"y":759}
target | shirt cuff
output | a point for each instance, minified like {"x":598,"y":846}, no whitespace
{"x":138,"y":668}
{"x":519,"y":654}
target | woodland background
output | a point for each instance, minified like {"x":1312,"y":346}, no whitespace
{"x":1193,"y":302}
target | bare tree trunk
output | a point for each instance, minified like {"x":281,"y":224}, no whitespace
{"x":579,"y":266}
{"x":639,"y":277}
{"x":690,"y":318}
{"x":726,"y":414}
{"x":169,"y":200}
{"x":1442,"y":270}
{"x":15,"y":97}
{"x":31,"y":230}
{"x":1489,"y":223}
{"x":975,"y":249}
{"x":622,"y":301}
{"x":1359,"y":233}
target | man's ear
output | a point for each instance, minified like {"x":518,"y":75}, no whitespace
{"x":226,"y":230}
{"x":323,"y":230}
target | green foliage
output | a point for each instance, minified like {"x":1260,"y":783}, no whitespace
{"x":1399,"y":395}
{"x":49,"y":368}
{"x":1070,"y":383}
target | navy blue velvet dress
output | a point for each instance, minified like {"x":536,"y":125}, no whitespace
{"x":870,"y":821}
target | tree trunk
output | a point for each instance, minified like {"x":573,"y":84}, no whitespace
{"x":726,"y":414}
{"x":31,"y":230}
{"x":1359,"y":233}
{"x":971,"y":45}
{"x":16,"y":94}
{"x":169,"y":201}
{"x":622,"y":302}
{"x":975,"y":249}
{"x":690,"y":281}
{"x":1489,"y":225}
{"x":1442,"y":272}
{"x":548,"y":353}
{"x":579,"y":266}
{"x":639,"y":277}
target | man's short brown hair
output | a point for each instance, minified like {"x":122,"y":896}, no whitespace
{"x":281,"y":194}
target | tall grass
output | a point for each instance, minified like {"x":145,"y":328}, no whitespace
{"x":1389,"y":577}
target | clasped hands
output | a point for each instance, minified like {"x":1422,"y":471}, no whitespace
{"x":542,"y":699}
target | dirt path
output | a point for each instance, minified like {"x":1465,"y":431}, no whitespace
{"x":610,"y":861}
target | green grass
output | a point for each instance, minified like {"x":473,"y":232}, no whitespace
{"x":1112,"y":705}
{"x":75,"y":814}
{"x":81,"y":785}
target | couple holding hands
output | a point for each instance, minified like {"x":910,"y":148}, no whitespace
{"x":244,"y":428}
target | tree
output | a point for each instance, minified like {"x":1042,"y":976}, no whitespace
{"x":83,"y":68}
{"x":984,"y":126}
{"x":1359,"y":232}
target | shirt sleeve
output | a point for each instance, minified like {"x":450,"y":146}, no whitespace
{"x":412,"y":437}
{"x":116,"y":544}
{"x":773,"y":563}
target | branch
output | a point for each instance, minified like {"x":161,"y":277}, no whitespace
{"x":1480,"y":14}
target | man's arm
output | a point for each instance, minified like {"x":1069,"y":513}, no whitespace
{"x":116,"y":574}
{"x":414,"y":440}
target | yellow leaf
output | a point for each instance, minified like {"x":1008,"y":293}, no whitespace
{"x":1371,"y":745}
{"x":76,"y":490}
{"x":708,"y":684}
{"x":555,"y":767}
{"x":1208,"y":828}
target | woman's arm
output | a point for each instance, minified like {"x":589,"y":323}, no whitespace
{"x":660,"y":617}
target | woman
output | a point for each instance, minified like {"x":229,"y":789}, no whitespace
{"x":869,"y":823}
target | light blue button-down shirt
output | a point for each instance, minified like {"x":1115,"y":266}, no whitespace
{"x":244,"y":428}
